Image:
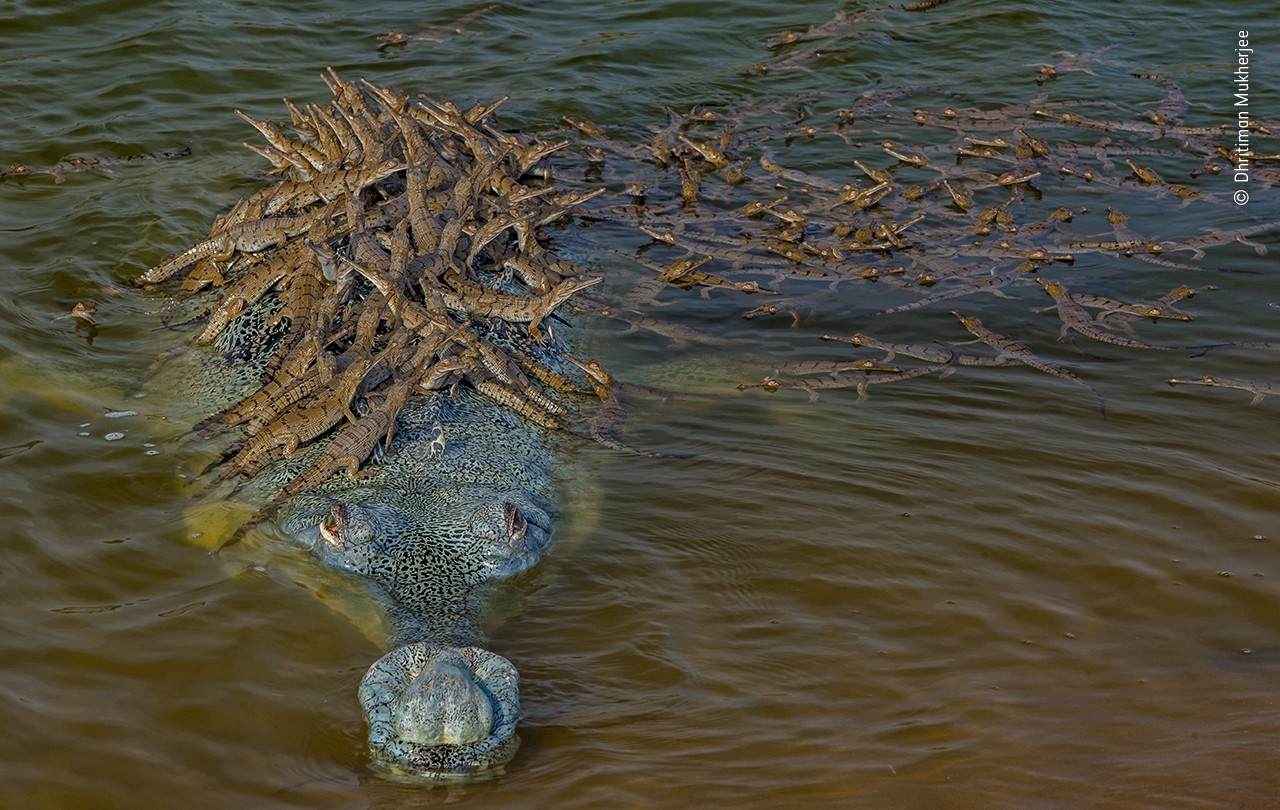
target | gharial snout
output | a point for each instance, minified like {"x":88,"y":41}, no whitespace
{"x":442,"y":712}
{"x":444,"y":705}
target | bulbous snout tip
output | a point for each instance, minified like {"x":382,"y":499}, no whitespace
{"x":444,"y":705}
{"x":441,"y":713}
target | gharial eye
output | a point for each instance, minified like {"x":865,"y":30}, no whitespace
{"x":333,"y":524}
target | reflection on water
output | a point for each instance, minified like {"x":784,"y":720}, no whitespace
{"x":963,"y":593}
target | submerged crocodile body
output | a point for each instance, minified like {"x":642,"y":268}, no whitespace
{"x":461,"y":501}
{"x":394,"y":389}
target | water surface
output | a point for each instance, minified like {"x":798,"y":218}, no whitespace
{"x":972,"y":592}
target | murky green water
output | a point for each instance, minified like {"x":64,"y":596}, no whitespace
{"x":972,"y":592}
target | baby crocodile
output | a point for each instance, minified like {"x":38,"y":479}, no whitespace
{"x":346,"y":451}
{"x":533,"y":310}
{"x":684,"y":273}
{"x":930,"y":354}
{"x":859,"y":380}
{"x":250,"y":237}
{"x":1075,"y":319}
{"x":439,"y":33}
{"x":58,"y":171}
{"x":1162,"y":305}
{"x":1017,"y":350}
{"x":966,"y":287}
{"x":1260,"y":390}
{"x":1110,"y":307}
{"x":800,"y":368}
{"x":330,"y":185}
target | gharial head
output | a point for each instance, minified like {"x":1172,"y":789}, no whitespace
{"x":405,"y":543}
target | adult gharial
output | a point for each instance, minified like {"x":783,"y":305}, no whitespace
{"x":382,"y":311}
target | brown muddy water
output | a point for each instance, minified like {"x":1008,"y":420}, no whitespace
{"x":970,"y":592}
